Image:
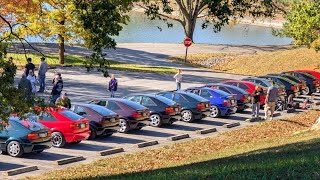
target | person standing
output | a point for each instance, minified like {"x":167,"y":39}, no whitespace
{"x":271,"y":99}
{"x":25,"y":86}
{"x":29,"y":66}
{"x":33,"y":80}
{"x":113,"y":85}
{"x":43,"y":68}
{"x":57,"y":87}
{"x":63,"y":101}
{"x":178,"y":78}
{"x":256,"y":102}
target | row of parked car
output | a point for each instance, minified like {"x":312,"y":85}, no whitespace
{"x":58,"y":126}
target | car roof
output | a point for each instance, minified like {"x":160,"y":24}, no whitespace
{"x":140,"y":94}
{"x":87,"y":105}
{"x":174,"y":91}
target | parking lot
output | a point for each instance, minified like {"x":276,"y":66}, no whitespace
{"x":83,"y":87}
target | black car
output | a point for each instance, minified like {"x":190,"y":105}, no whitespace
{"x":162,"y":110}
{"x":102,"y":121}
{"x":306,"y":77}
{"x":290,"y":86}
{"x":303,"y":88}
{"x":243,"y":98}
{"x":20,"y":136}
{"x":194,"y":107}
{"x":132,"y":115}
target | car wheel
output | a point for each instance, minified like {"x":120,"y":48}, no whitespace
{"x":93,"y":133}
{"x":156,"y":120}
{"x":14,"y":149}
{"x":187,"y":116}
{"x":124,"y":126}
{"x":58,"y":140}
{"x":215,"y":112}
{"x":306,"y":91}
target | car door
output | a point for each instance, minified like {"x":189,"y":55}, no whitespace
{"x":149,"y":103}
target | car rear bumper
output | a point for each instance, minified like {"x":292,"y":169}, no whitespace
{"x":74,"y":137}
{"x":35,"y":147}
{"x":133,"y":124}
{"x":202,"y":114}
{"x":107,"y":130}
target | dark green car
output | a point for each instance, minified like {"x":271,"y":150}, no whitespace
{"x":194,"y":107}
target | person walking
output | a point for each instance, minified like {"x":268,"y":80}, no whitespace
{"x":29,"y":66}
{"x":33,"y":80}
{"x":43,"y":68}
{"x":178,"y":78}
{"x":63,"y":101}
{"x":25,"y":86}
{"x":271,"y":99}
{"x":256,"y":102}
{"x":113,"y":85}
{"x":57,"y":87}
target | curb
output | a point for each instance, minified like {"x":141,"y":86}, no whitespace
{"x":21,"y":170}
{"x":231,"y":125}
{"x":146,"y":144}
{"x":110,"y":151}
{"x":178,"y":137}
{"x":69,"y":160}
{"x":206,"y":131}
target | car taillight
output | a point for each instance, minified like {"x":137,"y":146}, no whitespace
{"x":169,"y":110}
{"x":314,"y":82}
{"x":32,"y":136}
{"x":293,"y":88}
{"x":200,"y":106}
{"x":74,"y":126}
{"x":242,"y":98}
{"x":227,"y":103}
{"x":136,"y":115}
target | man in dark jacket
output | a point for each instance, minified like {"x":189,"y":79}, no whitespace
{"x":25,"y":86}
{"x":57,"y":87}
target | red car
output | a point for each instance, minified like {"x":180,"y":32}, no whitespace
{"x":313,"y":73}
{"x":247,"y":86}
{"x":65,"y":126}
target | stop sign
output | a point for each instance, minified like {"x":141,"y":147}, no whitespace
{"x":187,"y":42}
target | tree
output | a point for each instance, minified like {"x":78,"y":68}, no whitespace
{"x":215,"y":12}
{"x":303,"y":23}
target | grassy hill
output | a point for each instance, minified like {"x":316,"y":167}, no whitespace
{"x":280,"y":149}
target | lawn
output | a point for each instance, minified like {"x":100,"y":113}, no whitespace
{"x":257,"y":64}
{"x":280,"y":149}
{"x":53,"y":59}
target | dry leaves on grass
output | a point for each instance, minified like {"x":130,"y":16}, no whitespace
{"x":182,"y":152}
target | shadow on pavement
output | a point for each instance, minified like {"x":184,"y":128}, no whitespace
{"x":119,"y":140}
{"x":8,"y":166}
{"x":145,"y":132}
{"x":46,"y":156}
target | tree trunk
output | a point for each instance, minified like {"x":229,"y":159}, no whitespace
{"x":190,"y":27}
{"x":61,"y":48}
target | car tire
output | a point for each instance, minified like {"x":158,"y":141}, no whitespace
{"x":306,"y":91}
{"x":93,"y":133}
{"x":124,"y":126}
{"x":156,"y":120}
{"x":14,"y":149}
{"x":187,"y":116}
{"x":58,"y":140}
{"x":215,"y":112}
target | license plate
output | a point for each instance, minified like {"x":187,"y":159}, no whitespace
{"x":176,"y":109}
{"x":144,"y":114}
{"x":82,"y":125}
{"x":207,"y":105}
{"x":42,"y":135}
{"x":112,"y":120}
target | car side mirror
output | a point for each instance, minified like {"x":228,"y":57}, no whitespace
{"x":81,"y":113}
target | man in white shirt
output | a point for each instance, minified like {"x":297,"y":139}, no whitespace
{"x":178,"y":78}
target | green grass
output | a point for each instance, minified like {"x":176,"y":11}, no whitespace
{"x":285,"y":149}
{"x":53,"y":59}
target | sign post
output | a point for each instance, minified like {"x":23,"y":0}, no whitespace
{"x":187,"y":43}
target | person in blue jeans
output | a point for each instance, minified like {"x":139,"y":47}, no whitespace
{"x":43,"y":68}
{"x":113,"y":85}
{"x":178,"y":78}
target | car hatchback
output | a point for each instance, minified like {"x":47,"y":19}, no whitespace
{"x":23,"y":136}
{"x":194,"y":107}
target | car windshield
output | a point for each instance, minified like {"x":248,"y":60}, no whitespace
{"x":102,"y":110}
{"x":71,"y":115}
{"x":196,"y":97}
{"x":222,"y":93}
{"x":29,"y":124}
{"x":166,"y":100}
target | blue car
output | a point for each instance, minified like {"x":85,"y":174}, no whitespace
{"x":194,"y":107}
{"x":222,"y":103}
{"x":19,"y":137}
